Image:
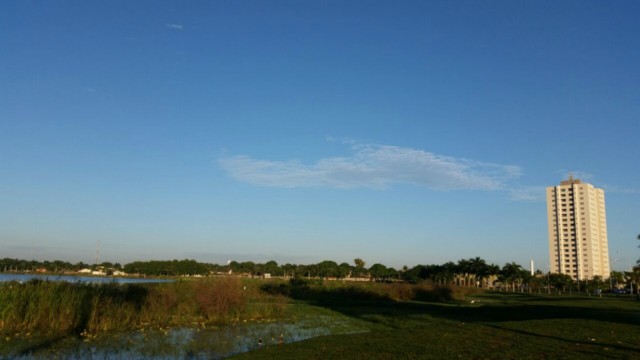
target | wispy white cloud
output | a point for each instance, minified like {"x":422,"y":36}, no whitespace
{"x":373,"y":166}
{"x":528,"y":193}
{"x":175,"y":26}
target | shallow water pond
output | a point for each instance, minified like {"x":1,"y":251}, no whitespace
{"x":80,"y":279}
{"x":189,"y":343}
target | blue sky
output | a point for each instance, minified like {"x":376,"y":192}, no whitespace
{"x":399,"y":132}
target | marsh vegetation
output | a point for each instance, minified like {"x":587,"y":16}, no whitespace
{"x":225,"y":316}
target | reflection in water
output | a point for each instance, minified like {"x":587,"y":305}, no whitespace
{"x":82,"y":279}
{"x":189,"y":343}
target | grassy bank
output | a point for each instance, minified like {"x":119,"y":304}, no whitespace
{"x":62,"y":308}
{"x":395,"y":320}
{"x":494,"y":326}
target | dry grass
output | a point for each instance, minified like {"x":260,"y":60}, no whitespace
{"x":65,"y":308}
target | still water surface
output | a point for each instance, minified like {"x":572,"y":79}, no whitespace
{"x":84,"y":279}
{"x":190,"y":343}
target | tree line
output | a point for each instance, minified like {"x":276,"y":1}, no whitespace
{"x":472,"y":272}
{"x":56,"y":266}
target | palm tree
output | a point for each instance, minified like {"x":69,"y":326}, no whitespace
{"x":463,"y":269}
{"x":449,"y":271}
{"x":480,"y":270}
{"x":638,"y":262}
{"x":493,"y":271}
{"x":512,"y":273}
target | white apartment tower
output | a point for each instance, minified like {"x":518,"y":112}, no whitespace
{"x":578,"y":243}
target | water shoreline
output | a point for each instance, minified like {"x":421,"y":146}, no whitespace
{"x":21,"y":277}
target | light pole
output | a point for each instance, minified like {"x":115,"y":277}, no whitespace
{"x":549,"y":279}
{"x":611,"y":270}
{"x":611,"y":274}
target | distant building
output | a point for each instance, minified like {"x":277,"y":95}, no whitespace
{"x":578,"y":244}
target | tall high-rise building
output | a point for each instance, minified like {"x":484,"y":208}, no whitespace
{"x":578,"y":244}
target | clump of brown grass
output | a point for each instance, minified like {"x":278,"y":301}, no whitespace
{"x":66,"y":308}
{"x":221,"y":298}
{"x":400,"y":291}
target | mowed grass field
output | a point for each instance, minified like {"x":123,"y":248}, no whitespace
{"x":483,"y":326}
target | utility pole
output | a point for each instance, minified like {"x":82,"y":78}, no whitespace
{"x":97,"y":252}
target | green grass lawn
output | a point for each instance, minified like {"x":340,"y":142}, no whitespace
{"x":494,"y":326}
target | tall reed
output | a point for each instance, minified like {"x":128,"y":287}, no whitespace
{"x":66,"y":308}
